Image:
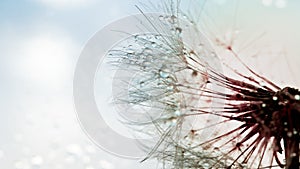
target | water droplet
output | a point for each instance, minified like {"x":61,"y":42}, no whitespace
{"x":171,"y":121}
{"x":161,"y":17}
{"x":148,"y":50}
{"x":146,"y":64}
{"x":177,"y":113}
{"x":154,"y":44}
{"x":206,"y":165}
{"x":178,"y":30}
{"x":163,"y":74}
{"x":130,"y":52}
{"x":297,"y":97}
{"x":142,"y":83}
{"x":170,"y":88}
{"x":289,"y":134}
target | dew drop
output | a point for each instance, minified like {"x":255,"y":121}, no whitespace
{"x":206,"y":165}
{"x":163,"y":74}
{"x":142,"y":83}
{"x":178,"y":30}
{"x":149,"y":50}
{"x":177,"y":113}
{"x":154,"y":44}
{"x":297,"y":97}
{"x":170,"y":88}
{"x":171,"y":121}
{"x":289,"y":134}
{"x":130,"y":52}
{"x":295,"y":132}
{"x":146,"y":64}
{"x":161,"y":17}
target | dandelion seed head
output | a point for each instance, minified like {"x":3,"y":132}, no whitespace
{"x":171,"y":83}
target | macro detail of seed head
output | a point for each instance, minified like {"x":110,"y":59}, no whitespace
{"x":171,"y":80}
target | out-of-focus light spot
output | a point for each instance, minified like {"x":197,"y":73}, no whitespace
{"x":280,"y":3}
{"x":22,"y":164}
{"x":277,"y":3}
{"x":46,"y":59}
{"x":37,"y":160}
{"x":89,"y":167}
{"x":105,"y":164}
{"x":74,"y":149}
{"x":267,"y":2}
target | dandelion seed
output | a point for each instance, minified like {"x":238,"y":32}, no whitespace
{"x":202,"y":117}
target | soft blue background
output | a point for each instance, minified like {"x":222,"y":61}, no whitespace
{"x":40,"y":41}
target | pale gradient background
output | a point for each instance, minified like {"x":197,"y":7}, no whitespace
{"x":40,"y":41}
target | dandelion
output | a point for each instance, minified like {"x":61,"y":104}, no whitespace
{"x":171,"y":80}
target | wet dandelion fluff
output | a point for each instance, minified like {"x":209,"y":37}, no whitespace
{"x":169,"y":84}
